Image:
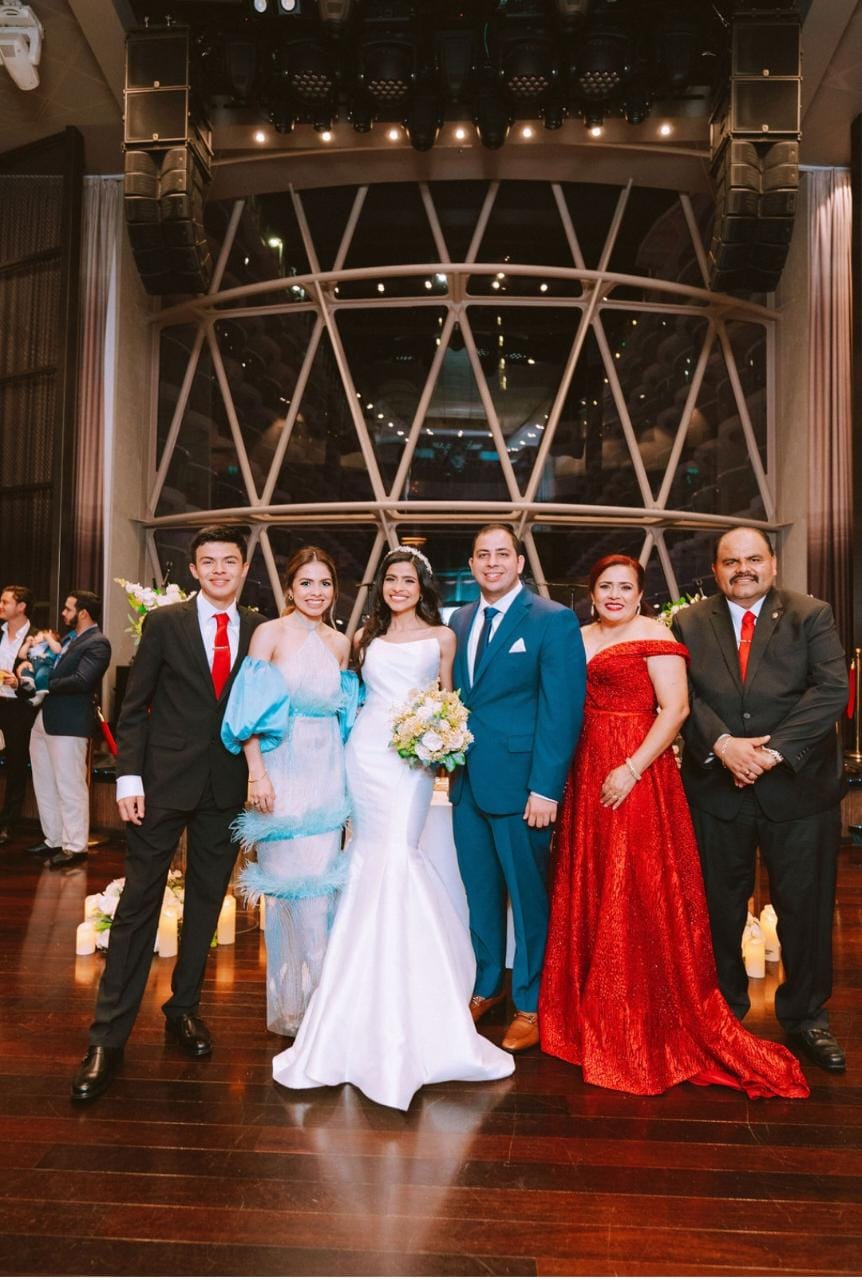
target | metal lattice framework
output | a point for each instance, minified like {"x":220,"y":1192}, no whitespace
{"x":389,"y":509}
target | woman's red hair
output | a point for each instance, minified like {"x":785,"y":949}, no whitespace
{"x":608,"y":562}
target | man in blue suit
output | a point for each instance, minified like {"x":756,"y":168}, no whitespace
{"x":521,"y":670}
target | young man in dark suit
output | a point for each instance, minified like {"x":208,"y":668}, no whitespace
{"x":174,"y":774}
{"x":60,"y":737}
{"x":762,"y":769}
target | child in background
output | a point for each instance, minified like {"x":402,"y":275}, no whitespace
{"x":40,"y":654}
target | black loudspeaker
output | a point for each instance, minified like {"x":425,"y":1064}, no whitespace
{"x":755,"y":165}
{"x":167,"y":165}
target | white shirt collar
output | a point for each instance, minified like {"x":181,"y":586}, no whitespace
{"x":504,"y":602}
{"x":738,"y":611}
{"x":207,"y":610}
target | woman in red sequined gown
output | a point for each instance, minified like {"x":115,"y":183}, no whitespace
{"x":629,"y":990}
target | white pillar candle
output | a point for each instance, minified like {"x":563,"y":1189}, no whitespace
{"x":166,"y":938}
{"x":85,"y":939}
{"x":754,"y":955}
{"x":226,"y":929}
{"x":91,"y":905}
{"x":769,"y":925}
{"x":263,"y":911}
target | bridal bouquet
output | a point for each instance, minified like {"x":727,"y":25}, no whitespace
{"x":431,"y":728}
{"x":142,"y":599}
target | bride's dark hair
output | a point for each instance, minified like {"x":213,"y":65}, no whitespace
{"x":379,"y":613}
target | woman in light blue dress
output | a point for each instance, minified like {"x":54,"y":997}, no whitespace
{"x":289,"y":711}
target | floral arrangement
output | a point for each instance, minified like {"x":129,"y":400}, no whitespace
{"x":143,"y":599}
{"x":431,"y":728}
{"x":101,"y":908}
{"x":668,"y":612}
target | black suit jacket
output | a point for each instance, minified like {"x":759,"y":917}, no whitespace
{"x":74,"y":680}
{"x":170,"y":725}
{"x":796,"y":688}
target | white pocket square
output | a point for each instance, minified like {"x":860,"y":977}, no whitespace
{"x":518,"y":646}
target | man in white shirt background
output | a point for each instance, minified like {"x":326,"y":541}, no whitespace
{"x":16,"y":714}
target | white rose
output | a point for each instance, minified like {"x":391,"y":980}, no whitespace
{"x":423,"y":753}
{"x":425,"y":713}
{"x":432,"y":740}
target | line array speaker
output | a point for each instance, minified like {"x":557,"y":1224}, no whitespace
{"x":167,"y":165}
{"x":755,"y":166}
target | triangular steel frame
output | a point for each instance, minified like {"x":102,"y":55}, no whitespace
{"x":388,"y":507}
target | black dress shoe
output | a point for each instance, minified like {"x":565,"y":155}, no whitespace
{"x":65,"y":858}
{"x":96,"y":1072}
{"x":40,"y":849}
{"x":190,"y":1034}
{"x":819,"y":1044}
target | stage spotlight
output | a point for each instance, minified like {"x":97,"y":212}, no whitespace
{"x":528,"y":68}
{"x":334,"y":13}
{"x":308,"y":70}
{"x":636,"y":108}
{"x":424,"y":117}
{"x":386,"y":66}
{"x":679,"y":43}
{"x":493,"y":119}
{"x":602,"y":63}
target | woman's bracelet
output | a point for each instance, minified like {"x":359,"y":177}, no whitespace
{"x":632,"y":770}
{"x":260,"y":779}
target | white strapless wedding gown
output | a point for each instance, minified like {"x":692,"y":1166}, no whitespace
{"x":391,"y":1010}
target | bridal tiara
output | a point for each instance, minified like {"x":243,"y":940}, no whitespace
{"x":412,"y":551}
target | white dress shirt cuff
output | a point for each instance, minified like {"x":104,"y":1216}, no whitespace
{"x":539,"y":796}
{"x":129,"y":785}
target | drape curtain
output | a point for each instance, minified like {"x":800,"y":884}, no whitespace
{"x":830,"y":471}
{"x":101,"y":227}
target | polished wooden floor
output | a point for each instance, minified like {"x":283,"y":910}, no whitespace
{"x":206,"y":1168}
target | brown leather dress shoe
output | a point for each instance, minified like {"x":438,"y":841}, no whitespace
{"x":480,"y":1005}
{"x":523,"y":1032}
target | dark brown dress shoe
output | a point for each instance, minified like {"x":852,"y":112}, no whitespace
{"x":480,"y":1005}
{"x":96,"y":1072}
{"x":65,"y":858}
{"x":190,"y":1034}
{"x":819,"y":1044}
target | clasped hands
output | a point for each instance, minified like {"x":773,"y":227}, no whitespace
{"x":745,"y":758}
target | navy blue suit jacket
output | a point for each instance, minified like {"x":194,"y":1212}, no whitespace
{"x":75,"y":678}
{"x":526,"y":703}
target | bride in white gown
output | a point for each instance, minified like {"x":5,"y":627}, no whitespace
{"x":391,"y":1010}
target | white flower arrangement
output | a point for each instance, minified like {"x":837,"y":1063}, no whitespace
{"x":105,"y":904}
{"x":668,"y":612}
{"x":430,"y":729}
{"x":143,"y":599}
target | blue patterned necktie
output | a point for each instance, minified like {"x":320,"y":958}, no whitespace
{"x":484,"y":636}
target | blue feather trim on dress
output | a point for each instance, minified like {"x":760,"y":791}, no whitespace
{"x":253,"y":883}
{"x":252,"y":828}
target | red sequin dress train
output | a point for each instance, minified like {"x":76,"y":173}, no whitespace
{"x":629,"y":990}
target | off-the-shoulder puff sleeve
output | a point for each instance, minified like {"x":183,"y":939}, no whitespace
{"x":258,"y":706}
{"x":351,"y":699}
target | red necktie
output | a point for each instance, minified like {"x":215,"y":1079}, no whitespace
{"x":221,"y":654}
{"x":745,"y":637}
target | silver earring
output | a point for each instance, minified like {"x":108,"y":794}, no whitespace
{"x":592,"y":610}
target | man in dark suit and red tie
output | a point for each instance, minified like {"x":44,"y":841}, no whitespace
{"x":762,"y":768}
{"x":174,"y":774}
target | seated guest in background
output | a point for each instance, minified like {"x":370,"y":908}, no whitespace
{"x":629,"y":989}
{"x":62,"y":730}
{"x":16,"y":717}
{"x":762,"y":768}
{"x":174,"y":775}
